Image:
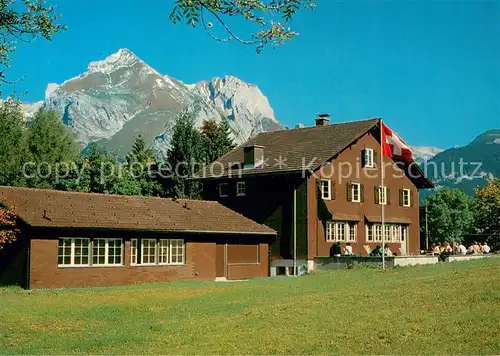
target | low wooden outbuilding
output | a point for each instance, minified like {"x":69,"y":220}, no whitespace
{"x":73,"y":239}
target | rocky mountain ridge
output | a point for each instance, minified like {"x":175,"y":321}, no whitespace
{"x":122,"y":96}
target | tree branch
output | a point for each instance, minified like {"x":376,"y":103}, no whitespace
{"x":231,"y":33}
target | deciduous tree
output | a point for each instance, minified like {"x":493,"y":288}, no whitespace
{"x":450,"y":215}
{"x":13,"y":148}
{"x":50,"y":143}
{"x":487,"y":205}
{"x":9,"y":226}
{"x":23,"y":21}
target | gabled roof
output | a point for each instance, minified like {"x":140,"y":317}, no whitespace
{"x":58,"y":209}
{"x":290,"y":150}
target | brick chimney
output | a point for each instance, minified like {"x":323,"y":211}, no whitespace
{"x":253,"y":156}
{"x":322,"y":120}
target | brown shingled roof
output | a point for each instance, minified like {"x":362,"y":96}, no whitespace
{"x":58,"y":209}
{"x":312,"y":144}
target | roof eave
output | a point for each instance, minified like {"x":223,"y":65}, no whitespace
{"x":249,"y":174}
{"x":152,"y":230}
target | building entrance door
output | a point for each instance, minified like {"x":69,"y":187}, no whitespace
{"x":220,"y":261}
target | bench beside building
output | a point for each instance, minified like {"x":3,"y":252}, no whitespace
{"x":81,"y":239}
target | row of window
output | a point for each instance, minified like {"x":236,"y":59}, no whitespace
{"x":109,"y":252}
{"x":157,"y":252}
{"x":346,"y":231}
{"x":393,"y":233}
{"x":341,"y":231}
{"x":224,"y":189}
{"x":355,"y":193}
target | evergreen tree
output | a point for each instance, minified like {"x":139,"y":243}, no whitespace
{"x":143,"y":166}
{"x":99,"y":172}
{"x":185,"y":156}
{"x":50,"y":143}
{"x":13,"y":149}
{"x":217,"y":139}
{"x":140,"y":153}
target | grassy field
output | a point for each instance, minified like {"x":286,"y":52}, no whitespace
{"x":449,"y":308}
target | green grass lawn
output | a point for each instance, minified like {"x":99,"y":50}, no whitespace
{"x":451,"y":308}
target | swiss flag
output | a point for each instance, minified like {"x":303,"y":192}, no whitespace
{"x":394,"y":146}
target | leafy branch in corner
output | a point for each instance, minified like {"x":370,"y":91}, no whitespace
{"x":24,"y":21}
{"x":256,"y":12}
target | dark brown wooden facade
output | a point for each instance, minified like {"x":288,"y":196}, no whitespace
{"x":268,"y":200}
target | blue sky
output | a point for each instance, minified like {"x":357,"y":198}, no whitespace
{"x":430,"y":69}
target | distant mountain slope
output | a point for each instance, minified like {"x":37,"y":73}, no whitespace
{"x":467,"y":166}
{"x":120,"y":97}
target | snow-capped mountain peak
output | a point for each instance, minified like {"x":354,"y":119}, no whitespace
{"x":51,"y":87}
{"x":424,"y":153}
{"x":122,"y":58}
{"x":121,"y":96}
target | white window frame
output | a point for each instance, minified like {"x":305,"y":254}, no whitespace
{"x":340,"y":231}
{"x":358,"y":186}
{"x":352,"y":236}
{"x":369,"y":232}
{"x":133,"y":251}
{"x":182,"y":254}
{"x":328,"y":189}
{"x":387,"y":233}
{"x":369,"y":158}
{"x":220,"y":190}
{"x":165,"y":251}
{"x":393,"y":232}
{"x":407,"y":194}
{"x":396,"y":233}
{"x":72,"y":252}
{"x":240,"y":189}
{"x":382,"y":195}
{"x":404,"y":233}
{"x":155,"y":249}
{"x":377,"y":232}
{"x":106,"y":252}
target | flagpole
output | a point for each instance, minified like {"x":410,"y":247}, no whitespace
{"x":381,"y":190}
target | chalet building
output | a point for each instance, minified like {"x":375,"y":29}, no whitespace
{"x":79,"y":239}
{"x":323,"y":185}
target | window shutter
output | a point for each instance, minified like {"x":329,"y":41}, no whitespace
{"x":388,"y":197}
{"x":375,"y":194}
{"x":332,"y":190}
{"x":318,"y":189}
{"x":401,"y":192}
{"x":411,"y":197}
{"x":363,"y":158}
{"x":362,"y":192}
{"x":348,"y":191}
{"x":375,"y":160}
